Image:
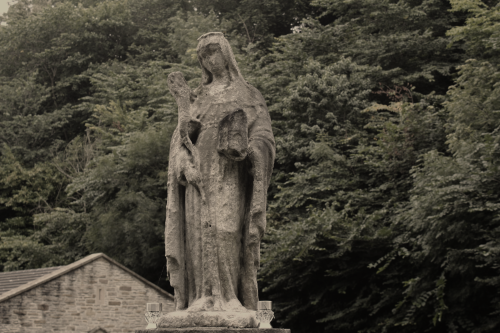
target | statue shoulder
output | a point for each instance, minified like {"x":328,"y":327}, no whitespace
{"x":256,"y":94}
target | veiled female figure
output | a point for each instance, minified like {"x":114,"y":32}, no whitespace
{"x":212,"y":246}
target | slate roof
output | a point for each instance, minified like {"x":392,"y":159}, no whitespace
{"x":47,"y":274}
{"x":14,"y":279}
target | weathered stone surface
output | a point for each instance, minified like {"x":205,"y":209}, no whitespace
{"x":221,"y":161}
{"x":215,"y":330}
{"x":233,"y":135}
{"x":209,"y":319}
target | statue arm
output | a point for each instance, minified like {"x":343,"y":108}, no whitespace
{"x":187,"y":163}
{"x":181,"y":163}
{"x":261,"y":148}
{"x":261,"y":154}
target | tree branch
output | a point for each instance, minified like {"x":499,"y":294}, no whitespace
{"x":248,"y":34}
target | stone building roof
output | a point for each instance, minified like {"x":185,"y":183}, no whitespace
{"x":11,"y":280}
{"x":17,"y":282}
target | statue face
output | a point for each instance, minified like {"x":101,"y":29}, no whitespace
{"x":213,"y":59}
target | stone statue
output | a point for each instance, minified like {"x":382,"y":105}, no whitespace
{"x":221,"y":160}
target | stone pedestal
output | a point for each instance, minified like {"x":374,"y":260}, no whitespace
{"x":227,"y":319}
{"x":215,"y":330}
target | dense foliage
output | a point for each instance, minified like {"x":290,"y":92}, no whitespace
{"x":383,"y":208}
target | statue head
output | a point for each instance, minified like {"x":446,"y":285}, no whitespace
{"x":215,"y":55}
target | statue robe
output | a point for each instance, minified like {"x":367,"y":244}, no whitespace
{"x":236,"y":191}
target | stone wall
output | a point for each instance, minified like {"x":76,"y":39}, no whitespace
{"x":98,"y":294}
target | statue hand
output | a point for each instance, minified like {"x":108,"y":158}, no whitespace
{"x":255,"y":234}
{"x":254,"y":169}
{"x":185,"y":169}
{"x":192,"y":174}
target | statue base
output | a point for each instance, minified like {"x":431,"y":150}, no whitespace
{"x":215,"y":330}
{"x":227,"y":319}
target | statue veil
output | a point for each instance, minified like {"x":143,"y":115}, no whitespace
{"x":231,"y":64}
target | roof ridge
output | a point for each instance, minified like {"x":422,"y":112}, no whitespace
{"x":68,"y":268}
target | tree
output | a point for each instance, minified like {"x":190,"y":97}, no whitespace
{"x":350,"y":129}
{"x":257,"y":22}
{"x":451,"y":223}
{"x":48,"y":58}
